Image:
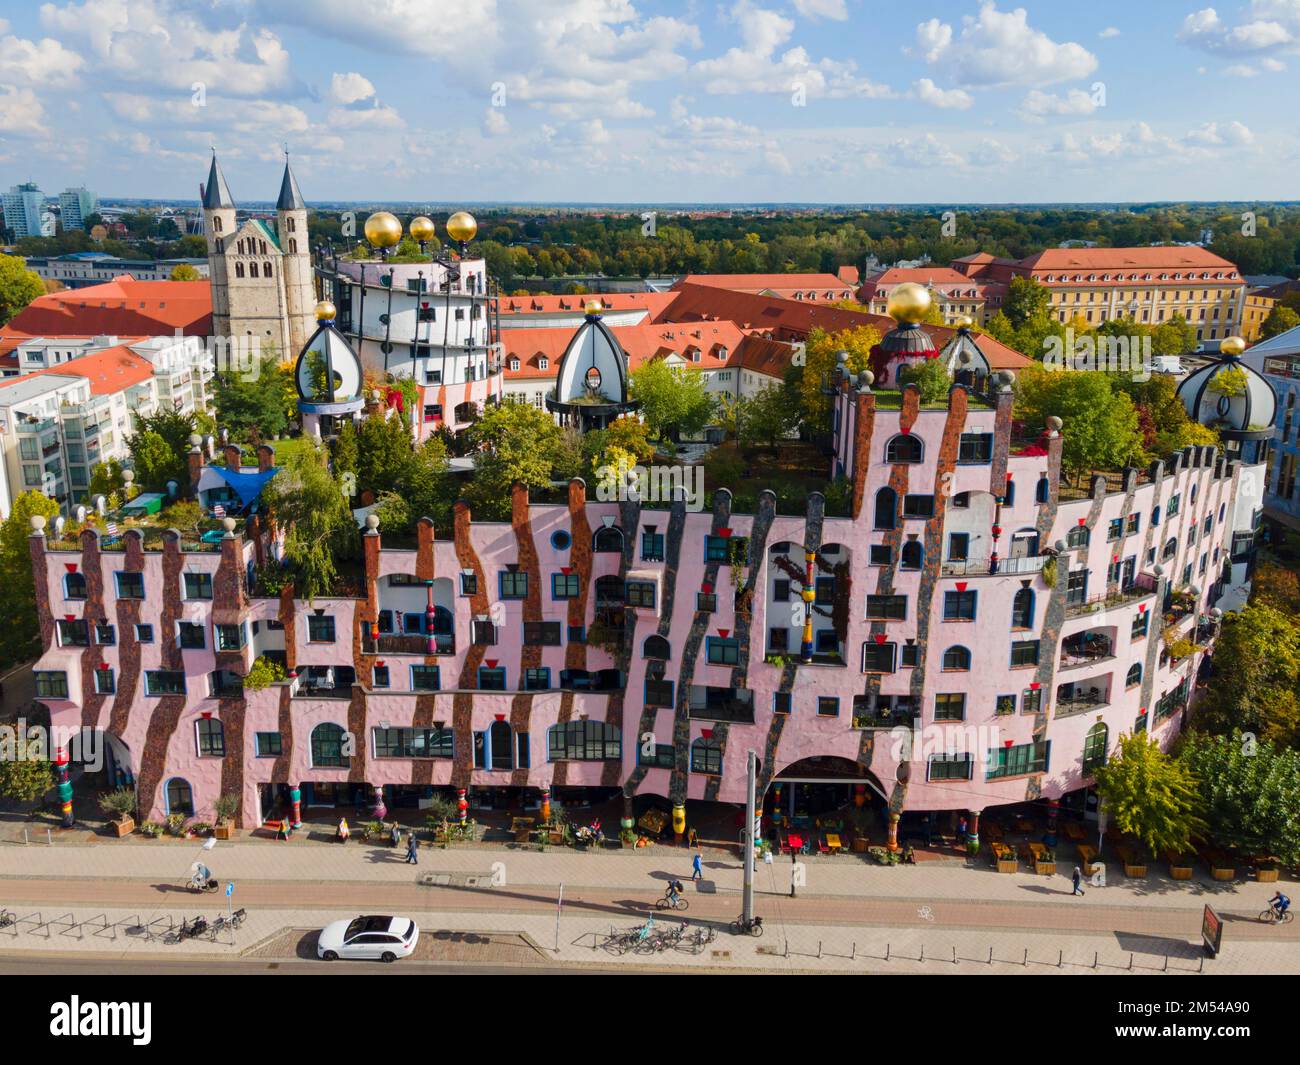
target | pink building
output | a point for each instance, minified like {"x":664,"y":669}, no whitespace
{"x":975,"y":633}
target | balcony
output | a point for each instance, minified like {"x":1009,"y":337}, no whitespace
{"x":722,"y":704}
{"x":1082,"y":697}
{"x":1139,"y":589}
{"x":45,"y":425}
{"x":444,"y":644}
{"x":983,"y":567}
{"x":1092,"y":646}
{"x":888,"y":713}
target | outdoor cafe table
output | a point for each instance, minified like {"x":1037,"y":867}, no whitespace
{"x":521,"y":827}
{"x":833,"y":841}
{"x":1086,"y":855}
{"x":1037,"y":850}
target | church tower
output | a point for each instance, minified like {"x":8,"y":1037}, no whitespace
{"x":219,"y":229}
{"x":299,"y":292}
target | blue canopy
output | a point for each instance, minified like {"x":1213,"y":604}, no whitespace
{"x":248,"y":486}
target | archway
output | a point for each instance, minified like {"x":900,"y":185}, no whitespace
{"x":820,"y":785}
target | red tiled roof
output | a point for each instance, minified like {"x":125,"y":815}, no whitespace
{"x":1175,"y":257}
{"x":641,"y":343}
{"x":826,"y":287}
{"x":517,"y":306}
{"x":769,"y":357}
{"x":108,"y":371}
{"x":121,"y":307}
{"x":849,"y":275}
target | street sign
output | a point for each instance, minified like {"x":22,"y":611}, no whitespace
{"x":1211,"y":931}
{"x":230,"y":890}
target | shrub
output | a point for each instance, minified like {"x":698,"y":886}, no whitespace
{"x":120,"y":803}
{"x":263,"y":672}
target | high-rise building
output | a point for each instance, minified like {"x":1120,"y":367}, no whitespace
{"x":22,"y":207}
{"x":75,"y":205}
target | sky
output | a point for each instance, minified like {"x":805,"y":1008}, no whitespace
{"x":656,"y":101}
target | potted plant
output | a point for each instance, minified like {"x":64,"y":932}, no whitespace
{"x":120,"y":804}
{"x":1045,"y":863}
{"x":175,"y":824}
{"x":1180,"y":866}
{"x":627,"y":836}
{"x":1004,"y":858}
{"x":1266,"y":871}
{"x":151,"y":829}
{"x":227,"y":806}
{"x":198,"y":830}
{"x":1134,"y":864}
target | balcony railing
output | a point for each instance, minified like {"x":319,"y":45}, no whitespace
{"x":1102,"y":600}
{"x":883,"y":717}
{"x":409,"y":645}
{"x":1081,"y":702}
{"x":1077,"y":650}
{"x":983,"y":567}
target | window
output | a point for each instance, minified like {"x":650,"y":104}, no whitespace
{"x":1155,"y":516}
{"x":723,"y":651}
{"x":191,"y":636}
{"x":577,"y":634}
{"x":198,"y":586}
{"x":584,"y":741}
{"x":664,"y":756}
{"x":1141,"y":624}
{"x":74,"y":634}
{"x":1094,"y":747}
{"x":881,"y":555}
{"x":652,"y":546}
{"x":212,"y":737}
{"x":974,"y":448}
{"x":380,"y":678}
{"x":268,"y":744}
{"x":608,"y":540}
{"x":51,"y":684}
{"x":958,"y":547}
{"x":105,"y":682}
{"x":327,"y":746}
{"x":492,"y":678}
{"x":961,"y":501}
{"x":658,"y":691}
{"x":74,"y":586}
{"x":230,"y":637}
{"x":484,"y":633}
{"x":1170,"y":549}
{"x":180,"y":799}
{"x":950,"y":767}
{"x":426,"y":678}
{"x":918,"y":506}
{"x":320,"y":628}
{"x":959,"y":606}
{"x":1132,"y":524}
{"x":641,"y":593}
{"x":129,"y":585}
{"x":542,"y":633}
{"x":715,"y":549}
{"x":1115,"y":529}
{"x":706,"y":756}
{"x":778,"y":640}
{"x":781,"y":702}
{"x":514,"y":584}
{"x":886,"y":508}
{"x":956,"y":658}
{"x":560,"y":540}
{"x":706,"y":602}
{"x":913,"y":555}
{"x":1076,"y":586}
{"x":164,"y":682}
{"x":878,"y":657}
{"x":887,"y":607}
{"x":1172,"y":508}
{"x":950,"y":706}
{"x":105,"y":634}
{"x":469,"y":584}
{"x":1004,"y":705}
{"x":656,"y":646}
{"x":828,"y":706}
{"x":1019,"y":761}
{"x":1043,"y":493}
{"x":904,"y":448}
{"x":412,"y":742}
{"x":144,"y":633}
{"x":1024,"y":653}
{"x":1134,"y":677}
{"x":1022,"y":609}
{"x":537,"y":679}
{"x":1078,"y":536}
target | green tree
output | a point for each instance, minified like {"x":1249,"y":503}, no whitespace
{"x":428,"y":485}
{"x":26,"y":779}
{"x":383,"y":453}
{"x":184,"y":272}
{"x":244,"y":401}
{"x":675,"y":403}
{"x":309,"y":503}
{"x":821,"y":356}
{"x":106,"y":480}
{"x":154,"y":462}
{"x":1163,"y":421}
{"x":1279,"y":320}
{"x":1149,"y":795}
{"x":1026,"y":300}
{"x":17,"y":588}
{"x":1249,"y":793}
{"x":1256,"y":676}
{"x":18,"y":286}
{"x":765,"y":418}
{"x":931,"y":377}
{"x":516,"y":442}
{"x":1101,"y":425}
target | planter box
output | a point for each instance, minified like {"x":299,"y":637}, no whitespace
{"x":223,"y":831}
{"x":1134,"y":870}
{"x":1007,"y":865}
{"x":1045,"y":868}
{"x":1178,"y":871}
{"x":124,"y":826}
{"x":1266,"y":875}
{"x":860,"y":845}
{"x":1221,"y":873}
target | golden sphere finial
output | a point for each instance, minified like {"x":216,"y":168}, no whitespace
{"x":421,"y":228}
{"x":383,"y":230}
{"x":1232,"y":346}
{"x":908,"y":302}
{"x":964,"y":321}
{"x":462,"y":227}
{"x":594,"y":307}
{"x":326,"y":311}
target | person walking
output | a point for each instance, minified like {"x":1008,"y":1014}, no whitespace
{"x":344,"y":832}
{"x":411,"y":847}
{"x":1076,"y":878}
{"x":397,"y":834}
{"x":697,"y":867}
{"x":794,"y":874}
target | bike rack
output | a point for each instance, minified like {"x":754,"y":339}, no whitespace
{"x":37,"y":922}
{"x":104,"y":926}
{"x":73,"y":925}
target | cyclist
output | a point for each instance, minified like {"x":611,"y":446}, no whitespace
{"x":1279,"y":903}
{"x":674,"y":891}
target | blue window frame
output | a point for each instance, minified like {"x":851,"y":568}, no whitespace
{"x":513,"y":583}
{"x":426,"y":678}
{"x":492,"y":678}
{"x":564,"y":586}
{"x":722,"y":651}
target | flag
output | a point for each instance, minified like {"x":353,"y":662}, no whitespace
{"x":112,"y":528}
{"x":219,"y":511}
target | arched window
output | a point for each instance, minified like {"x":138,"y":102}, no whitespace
{"x":1094,"y":747}
{"x":293,"y":245}
{"x":180,"y":798}
{"x":327,"y":746}
{"x":239,"y":269}
{"x":956,"y":658}
{"x":1022,"y":609}
{"x":913,"y":555}
{"x":608,"y":540}
{"x":656,"y":646}
{"x":216,"y":223}
{"x":266,"y":269}
{"x":706,"y":756}
{"x":212,"y":737}
{"x":1078,"y":536}
{"x":1134,"y":677}
{"x":584,"y":741}
{"x":904,"y":448}
{"x":886,"y":508}
{"x":1170,"y":549}
{"x":1043,"y":494}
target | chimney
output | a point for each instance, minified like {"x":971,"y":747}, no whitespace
{"x":195,"y":462}
{"x":233,"y":457}
{"x":265,"y":458}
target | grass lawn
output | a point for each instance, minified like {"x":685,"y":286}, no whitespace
{"x":290,"y":446}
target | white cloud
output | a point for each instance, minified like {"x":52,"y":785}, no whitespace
{"x":1001,"y":48}
{"x":1038,"y":104}
{"x":1269,"y":26}
{"x":375,"y":117}
{"x":350,"y":88}
{"x":495,"y":123}
{"x":1234,"y":133}
{"x":928,"y":92}
{"x":1108,"y":33}
{"x":20,"y":111}
{"x":831,"y":9}
{"x":45,"y":62}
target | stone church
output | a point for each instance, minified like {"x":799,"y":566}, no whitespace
{"x":261,"y":276}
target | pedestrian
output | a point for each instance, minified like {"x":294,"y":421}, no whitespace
{"x":961,"y":831}
{"x":344,"y":831}
{"x":794,"y":874}
{"x":697,"y":867}
{"x":411,"y":846}
{"x":397,"y":834}
{"x":1076,"y":878}
{"x":693,"y":840}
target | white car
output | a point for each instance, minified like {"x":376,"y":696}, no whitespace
{"x":368,"y":939}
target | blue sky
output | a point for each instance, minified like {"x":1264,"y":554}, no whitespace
{"x":657,"y":100}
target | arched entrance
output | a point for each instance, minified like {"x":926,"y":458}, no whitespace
{"x":811,"y":787}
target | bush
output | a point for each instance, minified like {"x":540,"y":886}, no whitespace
{"x":226,"y":807}
{"x":262,"y":673}
{"x":120,"y":803}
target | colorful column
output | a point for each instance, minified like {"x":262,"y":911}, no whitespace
{"x":973,"y":831}
{"x":546,"y":805}
{"x":1053,"y":810}
{"x":776,"y":804}
{"x":894,"y":818}
{"x":809,"y":594}
{"x":462,"y":806}
{"x":64,"y":785}
{"x":428,"y":620}
{"x":295,"y":800}
{"x":379,"y":811}
{"x":679,"y":821}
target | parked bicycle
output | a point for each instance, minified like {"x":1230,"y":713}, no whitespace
{"x":661,"y":941}
{"x":698,"y":940}
{"x":222,"y":922}
{"x":753,"y":927}
{"x":188,"y":930}
{"x":7,"y":917}
{"x":622,"y":942}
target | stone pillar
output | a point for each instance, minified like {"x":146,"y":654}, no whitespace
{"x":1053,"y":811}
{"x":295,"y":801}
{"x":378,"y":809}
{"x":892,"y":841}
{"x":194,"y":461}
{"x":265,"y":458}
{"x":546,"y":804}
{"x":64,"y":786}
{"x":972,"y":830}
{"x":462,"y":806}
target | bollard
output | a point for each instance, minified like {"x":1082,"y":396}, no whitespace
{"x":1095,"y":955}
{"x":1130,"y":962}
{"x":990,"y":955}
{"x":1166,"y":968}
{"x":1060,"y":959}
{"x":853,"y":954}
{"x":954,"y":955}
{"x":26,"y":841}
{"x":1026,"y":961}
{"x":49,"y":837}
{"x":922,"y":957}
{"x":819,"y":949}
{"x":886,"y":952}
{"x":1200,"y":968}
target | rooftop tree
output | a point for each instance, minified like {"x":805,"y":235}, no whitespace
{"x":674,"y":403}
{"x":311,"y":506}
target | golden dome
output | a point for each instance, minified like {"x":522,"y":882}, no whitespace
{"x":383,"y":230}
{"x":1232,"y":346}
{"x":462,"y":227}
{"x":594,"y":307}
{"x":326,"y":311}
{"x":964,"y":321}
{"x":908,"y":302}
{"x":421,"y":228}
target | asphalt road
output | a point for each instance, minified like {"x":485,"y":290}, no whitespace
{"x":27,"y":965}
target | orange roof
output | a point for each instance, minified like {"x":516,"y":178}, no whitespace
{"x":517,"y":306}
{"x":1174,"y":257}
{"x":121,"y":307}
{"x":108,"y":371}
{"x":769,"y":357}
{"x":849,"y":275}
{"x":715,"y":341}
{"x":941,"y":278}
{"x":825,"y":287}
